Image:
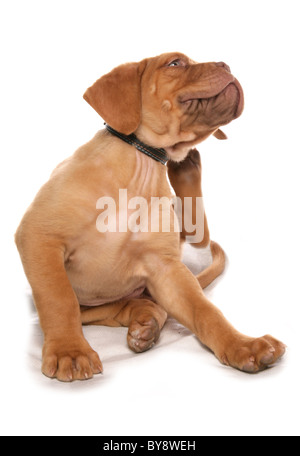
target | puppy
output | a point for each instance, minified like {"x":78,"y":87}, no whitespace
{"x":95,"y":244}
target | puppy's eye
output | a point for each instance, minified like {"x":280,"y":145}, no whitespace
{"x":176,"y":62}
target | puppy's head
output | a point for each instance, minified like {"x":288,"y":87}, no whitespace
{"x":168,"y":101}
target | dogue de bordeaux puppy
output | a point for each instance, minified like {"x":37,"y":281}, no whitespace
{"x":129,"y":274}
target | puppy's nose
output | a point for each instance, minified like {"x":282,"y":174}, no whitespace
{"x":224,"y":65}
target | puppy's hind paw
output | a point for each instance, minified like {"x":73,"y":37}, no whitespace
{"x":142,"y":335}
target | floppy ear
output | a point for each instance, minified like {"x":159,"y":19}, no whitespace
{"x":116,"y":97}
{"x":219,"y":134}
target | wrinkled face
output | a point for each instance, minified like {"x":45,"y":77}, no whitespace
{"x":168,"y":101}
{"x":183,"y":102}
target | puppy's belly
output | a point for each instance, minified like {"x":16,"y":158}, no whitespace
{"x":136,"y":293}
{"x":105,"y":269}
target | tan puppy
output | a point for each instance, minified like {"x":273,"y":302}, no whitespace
{"x":133,"y":277}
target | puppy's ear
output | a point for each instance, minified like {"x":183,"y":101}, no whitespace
{"x":219,"y":134}
{"x":116,"y":97}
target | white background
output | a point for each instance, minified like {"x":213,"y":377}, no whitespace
{"x":50,"y":53}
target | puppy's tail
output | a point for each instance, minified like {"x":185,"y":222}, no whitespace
{"x":208,"y":275}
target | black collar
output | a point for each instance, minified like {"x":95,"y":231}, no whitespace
{"x":159,"y":155}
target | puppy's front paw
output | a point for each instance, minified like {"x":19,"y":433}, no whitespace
{"x":70,"y":360}
{"x":253,"y":355}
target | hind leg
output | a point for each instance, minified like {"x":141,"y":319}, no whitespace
{"x":143,"y":317}
{"x":185,"y":178}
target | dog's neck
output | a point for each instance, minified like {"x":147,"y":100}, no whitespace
{"x":159,"y":155}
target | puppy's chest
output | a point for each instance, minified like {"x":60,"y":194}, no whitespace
{"x":118,"y":230}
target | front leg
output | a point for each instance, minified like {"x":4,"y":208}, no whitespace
{"x":175,"y":288}
{"x":66,"y":353}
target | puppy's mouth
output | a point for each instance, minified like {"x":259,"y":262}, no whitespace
{"x":214,"y":106}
